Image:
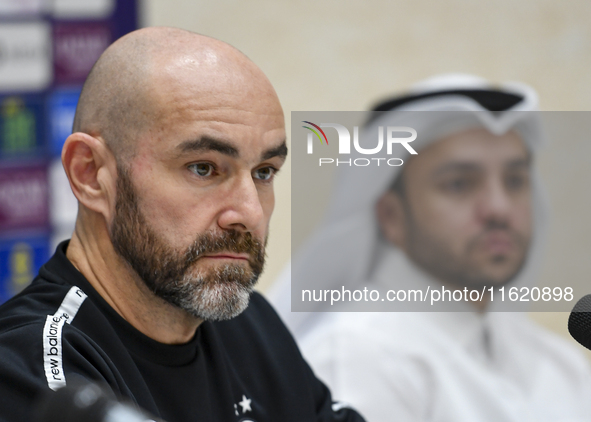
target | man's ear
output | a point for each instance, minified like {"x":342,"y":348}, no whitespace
{"x":92,"y":172}
{"x":391,"y":216}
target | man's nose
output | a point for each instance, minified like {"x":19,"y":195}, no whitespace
{"x":494,"y":204}
{"x":242,"y":208}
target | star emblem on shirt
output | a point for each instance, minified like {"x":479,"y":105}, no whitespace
{"x":245,"y":404}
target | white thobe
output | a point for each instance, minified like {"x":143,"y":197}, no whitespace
{"x":448,"y":366}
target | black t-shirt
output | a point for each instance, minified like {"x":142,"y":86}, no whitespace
{"x":245,"y":369}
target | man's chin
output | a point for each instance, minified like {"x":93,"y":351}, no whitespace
{"x":220,"y":303}
{"x":498,"y":278}
{"x":499,"y":269}
{"x":213,"y":299}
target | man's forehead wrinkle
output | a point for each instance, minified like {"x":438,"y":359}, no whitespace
{"x":192,"y":103}
{"x":197,"y":109}
{"x":184,"y":92}
{"x":213,"y":96}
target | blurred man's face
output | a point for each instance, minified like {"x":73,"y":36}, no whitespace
{"x":465,"y":212}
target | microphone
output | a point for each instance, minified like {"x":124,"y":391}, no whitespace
{"x":85,"y":401}
{"x":579,"y":321}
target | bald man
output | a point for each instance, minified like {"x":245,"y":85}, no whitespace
{"x":177,"y":139}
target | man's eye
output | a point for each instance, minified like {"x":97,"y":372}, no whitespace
{"x":458,"y":185}
{"x":202,"y":169}
{"x":265,"y":173}
{"x":516,"y":182}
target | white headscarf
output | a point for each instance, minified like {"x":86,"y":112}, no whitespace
{"x":351,"y":212}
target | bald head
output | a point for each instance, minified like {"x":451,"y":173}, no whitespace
{"x":136,"y":80}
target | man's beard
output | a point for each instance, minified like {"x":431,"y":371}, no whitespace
{"x":437,"y":258}
{"x":219,"y":293}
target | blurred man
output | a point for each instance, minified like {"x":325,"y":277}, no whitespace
{"x":467,"y":211}
{"x":177,"y":138}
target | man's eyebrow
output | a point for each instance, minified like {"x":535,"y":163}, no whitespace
{"x":520,"y":162}
{"x":460,"y":166}
{"x":457,"y":166}
{"x":279,"y":151}
{"x":207,"y":143}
